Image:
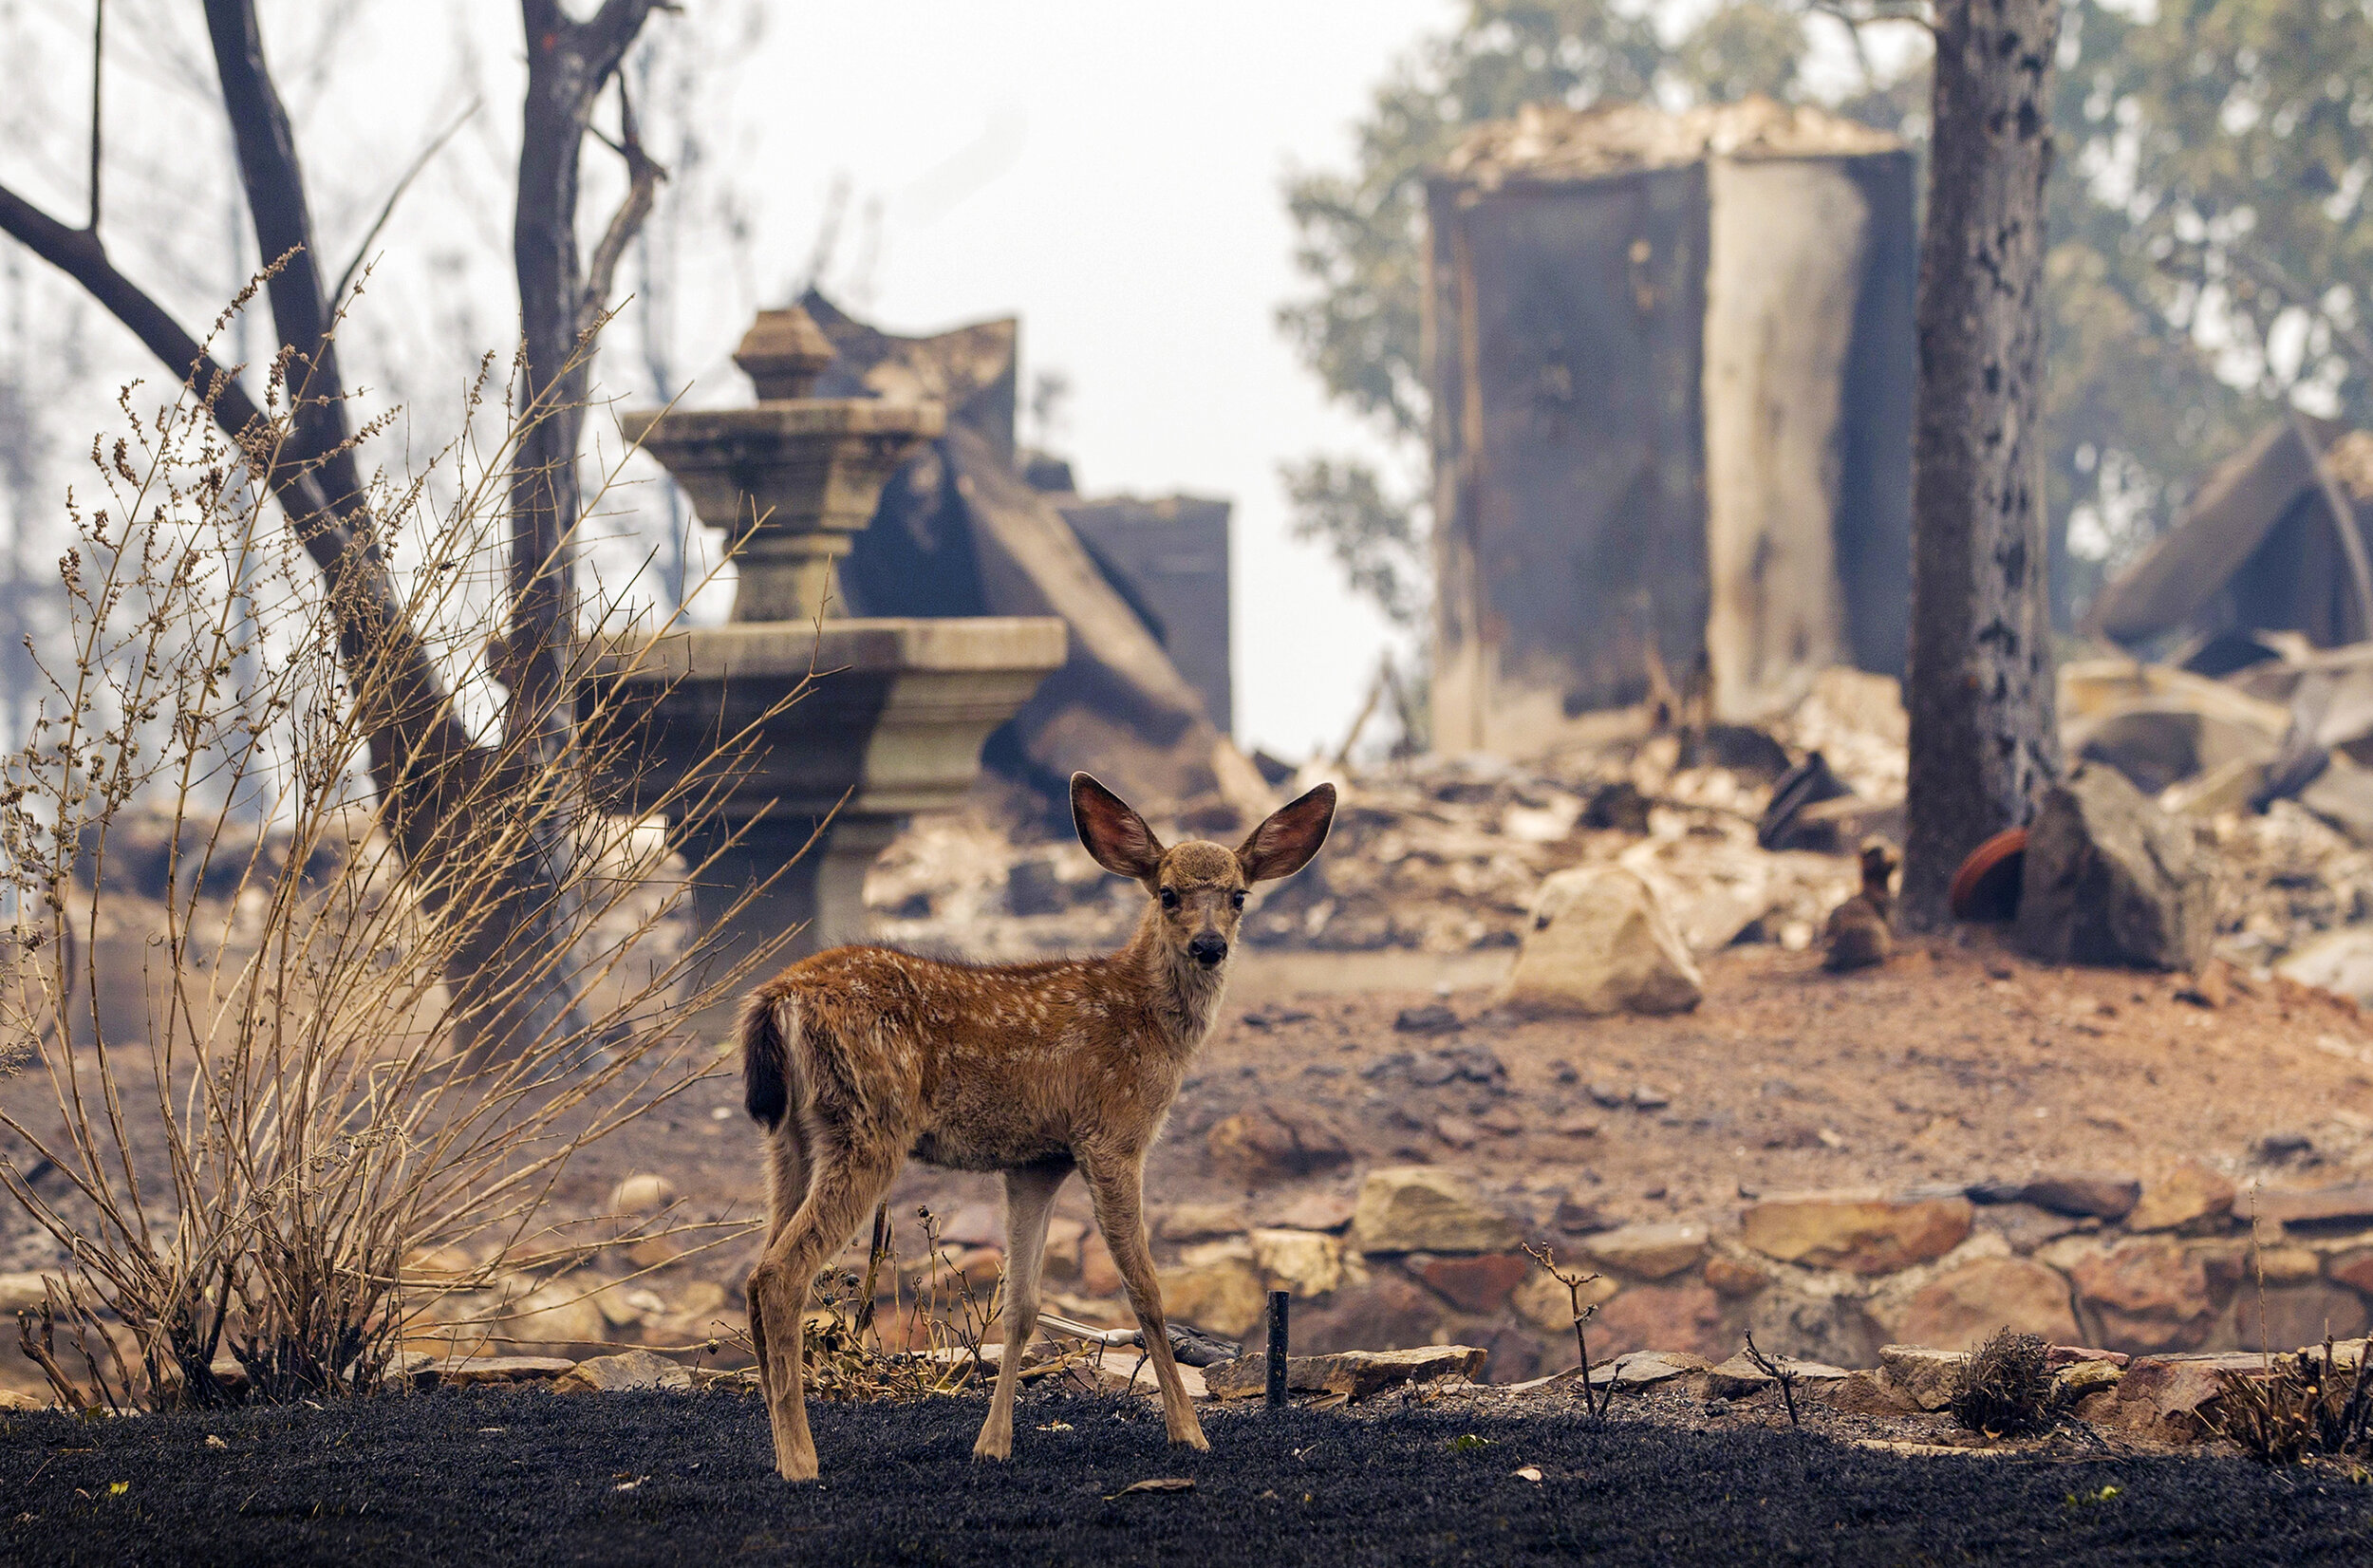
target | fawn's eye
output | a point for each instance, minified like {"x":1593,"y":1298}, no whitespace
{"x":1170,"y":898}
{"x":1236,"y":898}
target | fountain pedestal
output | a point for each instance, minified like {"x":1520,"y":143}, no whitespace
{"x":897,"y":709}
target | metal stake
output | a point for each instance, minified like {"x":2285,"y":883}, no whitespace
{"x":1277,"y":1300}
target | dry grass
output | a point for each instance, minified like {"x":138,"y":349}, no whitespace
{"x":2303,"y":1406}
{"x":257,"y":1172}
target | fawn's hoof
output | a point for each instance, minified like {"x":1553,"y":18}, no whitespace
{"x":996,"y":1453}
{"x":795,"y":1466}
{"x":1194,"y":1440}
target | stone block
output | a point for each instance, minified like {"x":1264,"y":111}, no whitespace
{"x":1599,"y":942}
{"x":1358,"y":1374}
{"x":2150,"y":1295}
{"x":1200,"y":1222}
{"x":1225,"y":1296}
{"x":1548,"y":1306}
{"x":2111,"y":878}
{"x":1859,"y":1232}
{"x":1422,"y":1208}
{"x":1648,"y":1251}
{"x":1478,"y":1283}
{"x":2188,"y":1194}
{"x":1267,"y":1142}
{"x":1682,"y":1317}
{"x":1921,"y":1373}
{"x":2169,"y":1398}
{"x":1308,"y":1263}
{"x":1964,"y":1306}
{"x":2083,"y":1192}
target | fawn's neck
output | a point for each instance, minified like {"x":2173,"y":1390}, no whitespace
{"x":1185,"y":994}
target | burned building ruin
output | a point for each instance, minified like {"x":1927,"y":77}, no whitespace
{"x":1672,"y":360}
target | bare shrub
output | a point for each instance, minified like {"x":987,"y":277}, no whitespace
{"x":259,"y":1166}
{"x":2005,"y":1387}
{"x":2303,"y":1406}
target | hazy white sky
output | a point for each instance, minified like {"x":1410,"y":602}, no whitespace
{"x":1111,"y":173}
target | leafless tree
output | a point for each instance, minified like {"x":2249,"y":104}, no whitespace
{"x":424,"y":757}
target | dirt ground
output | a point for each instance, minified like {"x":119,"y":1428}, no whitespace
{"x":1957,"y":1062}
{"x":526,"y":1476}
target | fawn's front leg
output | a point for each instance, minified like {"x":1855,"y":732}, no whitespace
{"x":1029,"y":1200}
{"x":1118,"y":1191}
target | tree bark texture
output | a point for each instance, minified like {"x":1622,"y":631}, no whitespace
{"x":1979,"y":688}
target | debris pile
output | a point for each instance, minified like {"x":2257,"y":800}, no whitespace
{"x":1445,"y":854}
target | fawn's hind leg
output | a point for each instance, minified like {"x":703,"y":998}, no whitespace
{"x":1029,"y":1200}
{"x":786,"y":1189}
{"x":843,"y":1188}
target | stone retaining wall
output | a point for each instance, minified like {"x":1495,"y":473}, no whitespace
{"x":1831,"y":1276}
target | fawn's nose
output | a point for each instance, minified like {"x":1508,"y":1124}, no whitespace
{"x":1209,"y":947}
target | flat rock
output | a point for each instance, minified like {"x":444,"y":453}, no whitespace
{"x":2170,"y":1398}
{"x":1962,"y":1307}
{"x":1308,"y":1263}
{"x":1864,"y":1394}
{"x":1357,"y":1373}
{"x":1739,"y":1376}
{"x":1477,"y":1282}
{"x":1224,"y":1296}
{"x":1314,"y":1211}
{"x":474,"y":1371}
{"x":1548,"y":1306}
{"x":1649,"y":1251}
{"x":1265,"y":1143}
{"x":2189,"y":1193}
{"x":1200,"y":1222}
{"x":1859,"y":1232}
{"x":626,"y":1371}
{"x":1920,"y":1374}
{"x":1133,"y":1373}
{"x":1423,"y":1209}
{"x":2315,"y":1206}
{"x":1644,"y":1369}
{"x":2149,"y":1294}
{"x":2111,"y":878}
{"x":2083,"y":1192}
{"x":1599,"y":942}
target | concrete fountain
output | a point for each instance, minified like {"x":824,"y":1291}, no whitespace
{"x":898,"y":707}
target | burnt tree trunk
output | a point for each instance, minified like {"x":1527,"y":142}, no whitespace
{"x":1979,"y":688}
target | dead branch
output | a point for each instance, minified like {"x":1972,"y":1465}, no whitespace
{"x":1779,"y":1372}
{"x":346,"y":278}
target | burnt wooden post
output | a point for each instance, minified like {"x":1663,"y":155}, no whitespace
{"x":1277,"y":1300}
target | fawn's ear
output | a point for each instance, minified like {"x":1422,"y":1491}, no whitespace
{"x":1290,"y":834}
{"x":1114,"y":834}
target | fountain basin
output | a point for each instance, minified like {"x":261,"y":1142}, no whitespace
{"x":891,"y":724}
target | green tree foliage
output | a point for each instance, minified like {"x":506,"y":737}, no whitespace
{"x":2208,"y":215}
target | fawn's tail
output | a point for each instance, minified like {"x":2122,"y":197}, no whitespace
{"x":766,"y":1057}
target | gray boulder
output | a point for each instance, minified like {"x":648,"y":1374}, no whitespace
{"x":2110,"y":879}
